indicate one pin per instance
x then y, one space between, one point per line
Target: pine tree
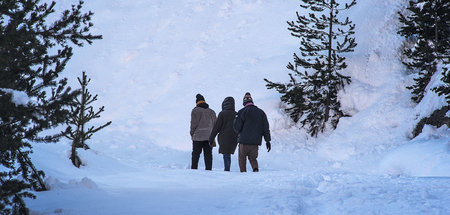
428 22
33 98
444 89
81 114
313 88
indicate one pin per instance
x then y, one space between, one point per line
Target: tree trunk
83 106
76 161
330 40
330 36
436 35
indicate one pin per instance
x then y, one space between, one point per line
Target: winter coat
202 122
251 125
224 127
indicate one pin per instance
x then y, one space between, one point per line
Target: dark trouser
197 147
250 151
227 161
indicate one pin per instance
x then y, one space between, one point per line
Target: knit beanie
247 98
199 97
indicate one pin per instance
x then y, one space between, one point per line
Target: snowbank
428 155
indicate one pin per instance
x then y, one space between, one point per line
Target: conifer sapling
81 113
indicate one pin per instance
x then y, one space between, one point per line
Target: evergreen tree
33 98
428 22
315 77
81 114
444 89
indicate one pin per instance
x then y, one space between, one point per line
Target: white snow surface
155 56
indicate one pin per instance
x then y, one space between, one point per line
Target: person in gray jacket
224 127
202 122
251 125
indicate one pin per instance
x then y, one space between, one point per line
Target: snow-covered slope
157 55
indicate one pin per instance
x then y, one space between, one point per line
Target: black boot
255 170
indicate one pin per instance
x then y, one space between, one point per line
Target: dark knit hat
199 97
247 98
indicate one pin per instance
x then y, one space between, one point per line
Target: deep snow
157 55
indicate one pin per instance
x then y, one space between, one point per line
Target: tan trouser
252 152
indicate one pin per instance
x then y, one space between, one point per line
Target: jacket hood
228 103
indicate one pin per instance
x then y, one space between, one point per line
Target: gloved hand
268 146
211 144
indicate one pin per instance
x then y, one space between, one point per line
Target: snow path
288 183
161 191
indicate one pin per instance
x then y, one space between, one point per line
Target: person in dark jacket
224 127
251 125
202 122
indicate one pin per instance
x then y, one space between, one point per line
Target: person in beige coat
202 122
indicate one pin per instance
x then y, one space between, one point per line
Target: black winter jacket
224 127
251 125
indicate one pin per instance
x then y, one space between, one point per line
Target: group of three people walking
246 127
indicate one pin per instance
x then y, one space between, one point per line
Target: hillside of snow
155 56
